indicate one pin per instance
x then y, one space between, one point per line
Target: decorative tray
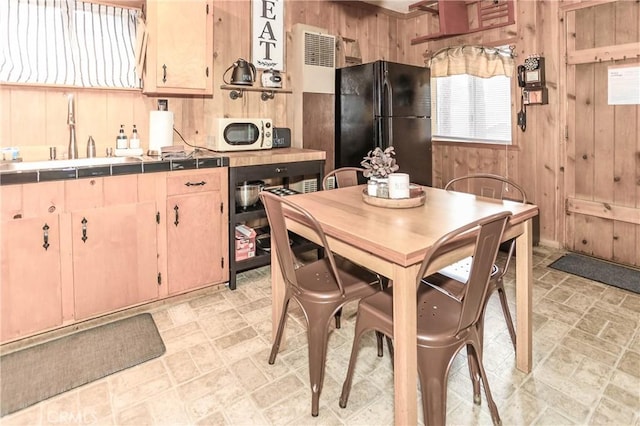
416 198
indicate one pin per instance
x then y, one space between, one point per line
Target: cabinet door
114 257
31 298
180 47
195 249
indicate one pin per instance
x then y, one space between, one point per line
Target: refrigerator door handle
388 103
388 95
379 137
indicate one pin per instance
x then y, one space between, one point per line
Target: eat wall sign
267 44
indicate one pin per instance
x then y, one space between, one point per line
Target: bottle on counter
122 142
91 147
134 140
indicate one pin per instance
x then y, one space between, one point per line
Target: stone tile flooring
215 371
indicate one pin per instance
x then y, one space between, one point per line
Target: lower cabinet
196 222
79 248
115 261
31 298
30 278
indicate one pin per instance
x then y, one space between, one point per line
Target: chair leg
276 343
505 310
346 386
474 373
337 317
433 369
379 339
318 333
476 353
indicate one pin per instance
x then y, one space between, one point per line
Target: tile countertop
270 156
32 172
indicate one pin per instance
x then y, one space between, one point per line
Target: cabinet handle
175 209
281 169
164 73
84 229
45 235
201 183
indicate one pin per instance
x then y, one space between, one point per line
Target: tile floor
215 372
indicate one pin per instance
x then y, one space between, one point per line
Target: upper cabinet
179 56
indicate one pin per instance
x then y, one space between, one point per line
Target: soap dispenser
122 141
134 140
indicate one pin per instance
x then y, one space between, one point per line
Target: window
472 109
67 42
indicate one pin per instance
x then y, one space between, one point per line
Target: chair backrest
488 185
345 176
487 240
491 186
274 206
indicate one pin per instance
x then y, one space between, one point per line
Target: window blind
68 42
473 109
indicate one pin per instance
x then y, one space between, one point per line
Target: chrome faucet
71 121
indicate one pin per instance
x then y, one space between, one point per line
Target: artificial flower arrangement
379 163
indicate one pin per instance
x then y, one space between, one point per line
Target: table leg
405 352
524 293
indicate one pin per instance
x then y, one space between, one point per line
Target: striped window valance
68 42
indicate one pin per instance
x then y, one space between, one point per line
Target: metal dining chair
344 177
321 287
445 324
497 187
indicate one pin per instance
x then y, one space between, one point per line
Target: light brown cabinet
114 258
114 245
80 248
179 56
196 221
31 283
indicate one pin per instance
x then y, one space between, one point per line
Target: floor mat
599 270
39 372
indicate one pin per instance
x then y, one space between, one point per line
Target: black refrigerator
381 104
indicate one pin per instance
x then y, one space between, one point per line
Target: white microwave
243 134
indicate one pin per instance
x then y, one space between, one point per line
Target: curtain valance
478 61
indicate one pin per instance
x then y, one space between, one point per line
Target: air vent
319 50
312 60
305 186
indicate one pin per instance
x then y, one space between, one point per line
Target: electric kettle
244 73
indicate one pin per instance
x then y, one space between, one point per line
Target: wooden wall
35 118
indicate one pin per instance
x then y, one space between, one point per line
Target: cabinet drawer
191 182
265 171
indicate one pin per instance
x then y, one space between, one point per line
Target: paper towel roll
160 131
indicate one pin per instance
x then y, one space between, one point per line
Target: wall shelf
459 17
236 91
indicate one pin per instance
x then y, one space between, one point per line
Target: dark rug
599 270
39 372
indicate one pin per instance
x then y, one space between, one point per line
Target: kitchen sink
63 164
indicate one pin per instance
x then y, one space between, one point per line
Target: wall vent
319 50
312 60
305 186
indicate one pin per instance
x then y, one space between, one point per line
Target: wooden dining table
393 243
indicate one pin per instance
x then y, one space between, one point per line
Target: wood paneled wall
35 118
